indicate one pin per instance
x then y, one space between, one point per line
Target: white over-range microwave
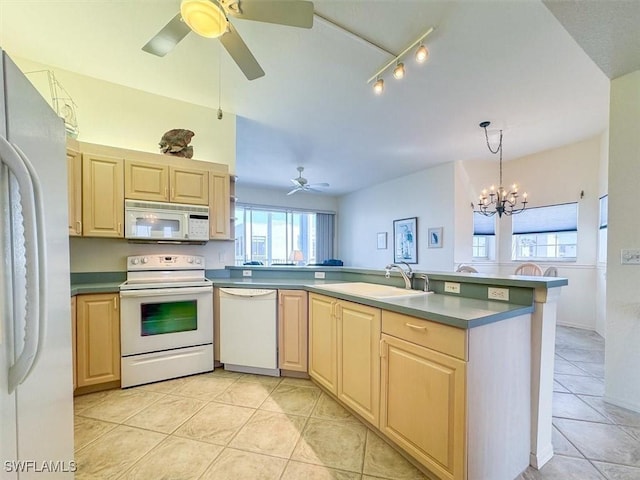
165 222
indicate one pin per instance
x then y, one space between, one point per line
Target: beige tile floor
224 425
592 440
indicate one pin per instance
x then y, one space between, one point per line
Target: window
602 231
546 233
271 235
484 235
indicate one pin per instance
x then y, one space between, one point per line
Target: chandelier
500 201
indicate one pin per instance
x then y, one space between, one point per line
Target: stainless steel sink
373 290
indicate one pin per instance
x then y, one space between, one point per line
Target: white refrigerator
36 389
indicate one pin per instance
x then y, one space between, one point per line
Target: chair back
551 272
466 268
528 269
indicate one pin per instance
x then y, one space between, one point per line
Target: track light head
378 87
398 72
422 54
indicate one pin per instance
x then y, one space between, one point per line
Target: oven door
153 320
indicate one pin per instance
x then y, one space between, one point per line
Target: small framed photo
435 237
382 240
405 240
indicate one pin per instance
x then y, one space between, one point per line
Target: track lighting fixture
398 72
422 54
378 87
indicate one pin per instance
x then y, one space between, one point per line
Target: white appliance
248 330
169 222
166 319
36 385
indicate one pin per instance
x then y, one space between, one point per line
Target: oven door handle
162 292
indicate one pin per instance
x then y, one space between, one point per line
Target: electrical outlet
630 256
246 273
451 287
319 275
498 294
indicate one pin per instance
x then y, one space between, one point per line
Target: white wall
428 195
110 114
622 355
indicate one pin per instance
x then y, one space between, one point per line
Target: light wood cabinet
73 341
292 330
74 186
166 183
423 405
323 353
188 185
219 206
146 181
98 338
358 329
102 196
344 357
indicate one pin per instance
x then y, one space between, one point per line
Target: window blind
483 225
553 218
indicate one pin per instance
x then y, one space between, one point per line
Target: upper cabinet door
102 196
188 185
219 206
146 181
74 185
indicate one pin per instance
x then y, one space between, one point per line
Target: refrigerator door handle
35 260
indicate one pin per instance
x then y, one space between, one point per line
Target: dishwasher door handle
246 292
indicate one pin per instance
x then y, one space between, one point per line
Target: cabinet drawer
442 338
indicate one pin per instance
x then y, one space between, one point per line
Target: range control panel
165 262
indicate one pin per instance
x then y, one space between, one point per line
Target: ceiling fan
210 18
303 185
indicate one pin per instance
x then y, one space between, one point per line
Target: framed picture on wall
435 237
382 240
405 240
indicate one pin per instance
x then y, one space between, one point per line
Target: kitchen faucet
406 276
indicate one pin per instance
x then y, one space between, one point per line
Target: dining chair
528 269
550 272
466 268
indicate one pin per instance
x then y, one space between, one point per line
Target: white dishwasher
248 330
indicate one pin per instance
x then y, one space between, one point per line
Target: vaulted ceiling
509 62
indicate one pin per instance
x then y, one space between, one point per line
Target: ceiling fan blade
323 185
297 189
233 43
168 37
281 12
296 182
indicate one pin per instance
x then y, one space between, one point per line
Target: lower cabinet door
98 338
359 359
292 330
423 405
322 342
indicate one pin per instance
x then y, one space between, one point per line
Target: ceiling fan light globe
205 17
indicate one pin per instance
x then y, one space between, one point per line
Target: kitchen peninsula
460 383
509 363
